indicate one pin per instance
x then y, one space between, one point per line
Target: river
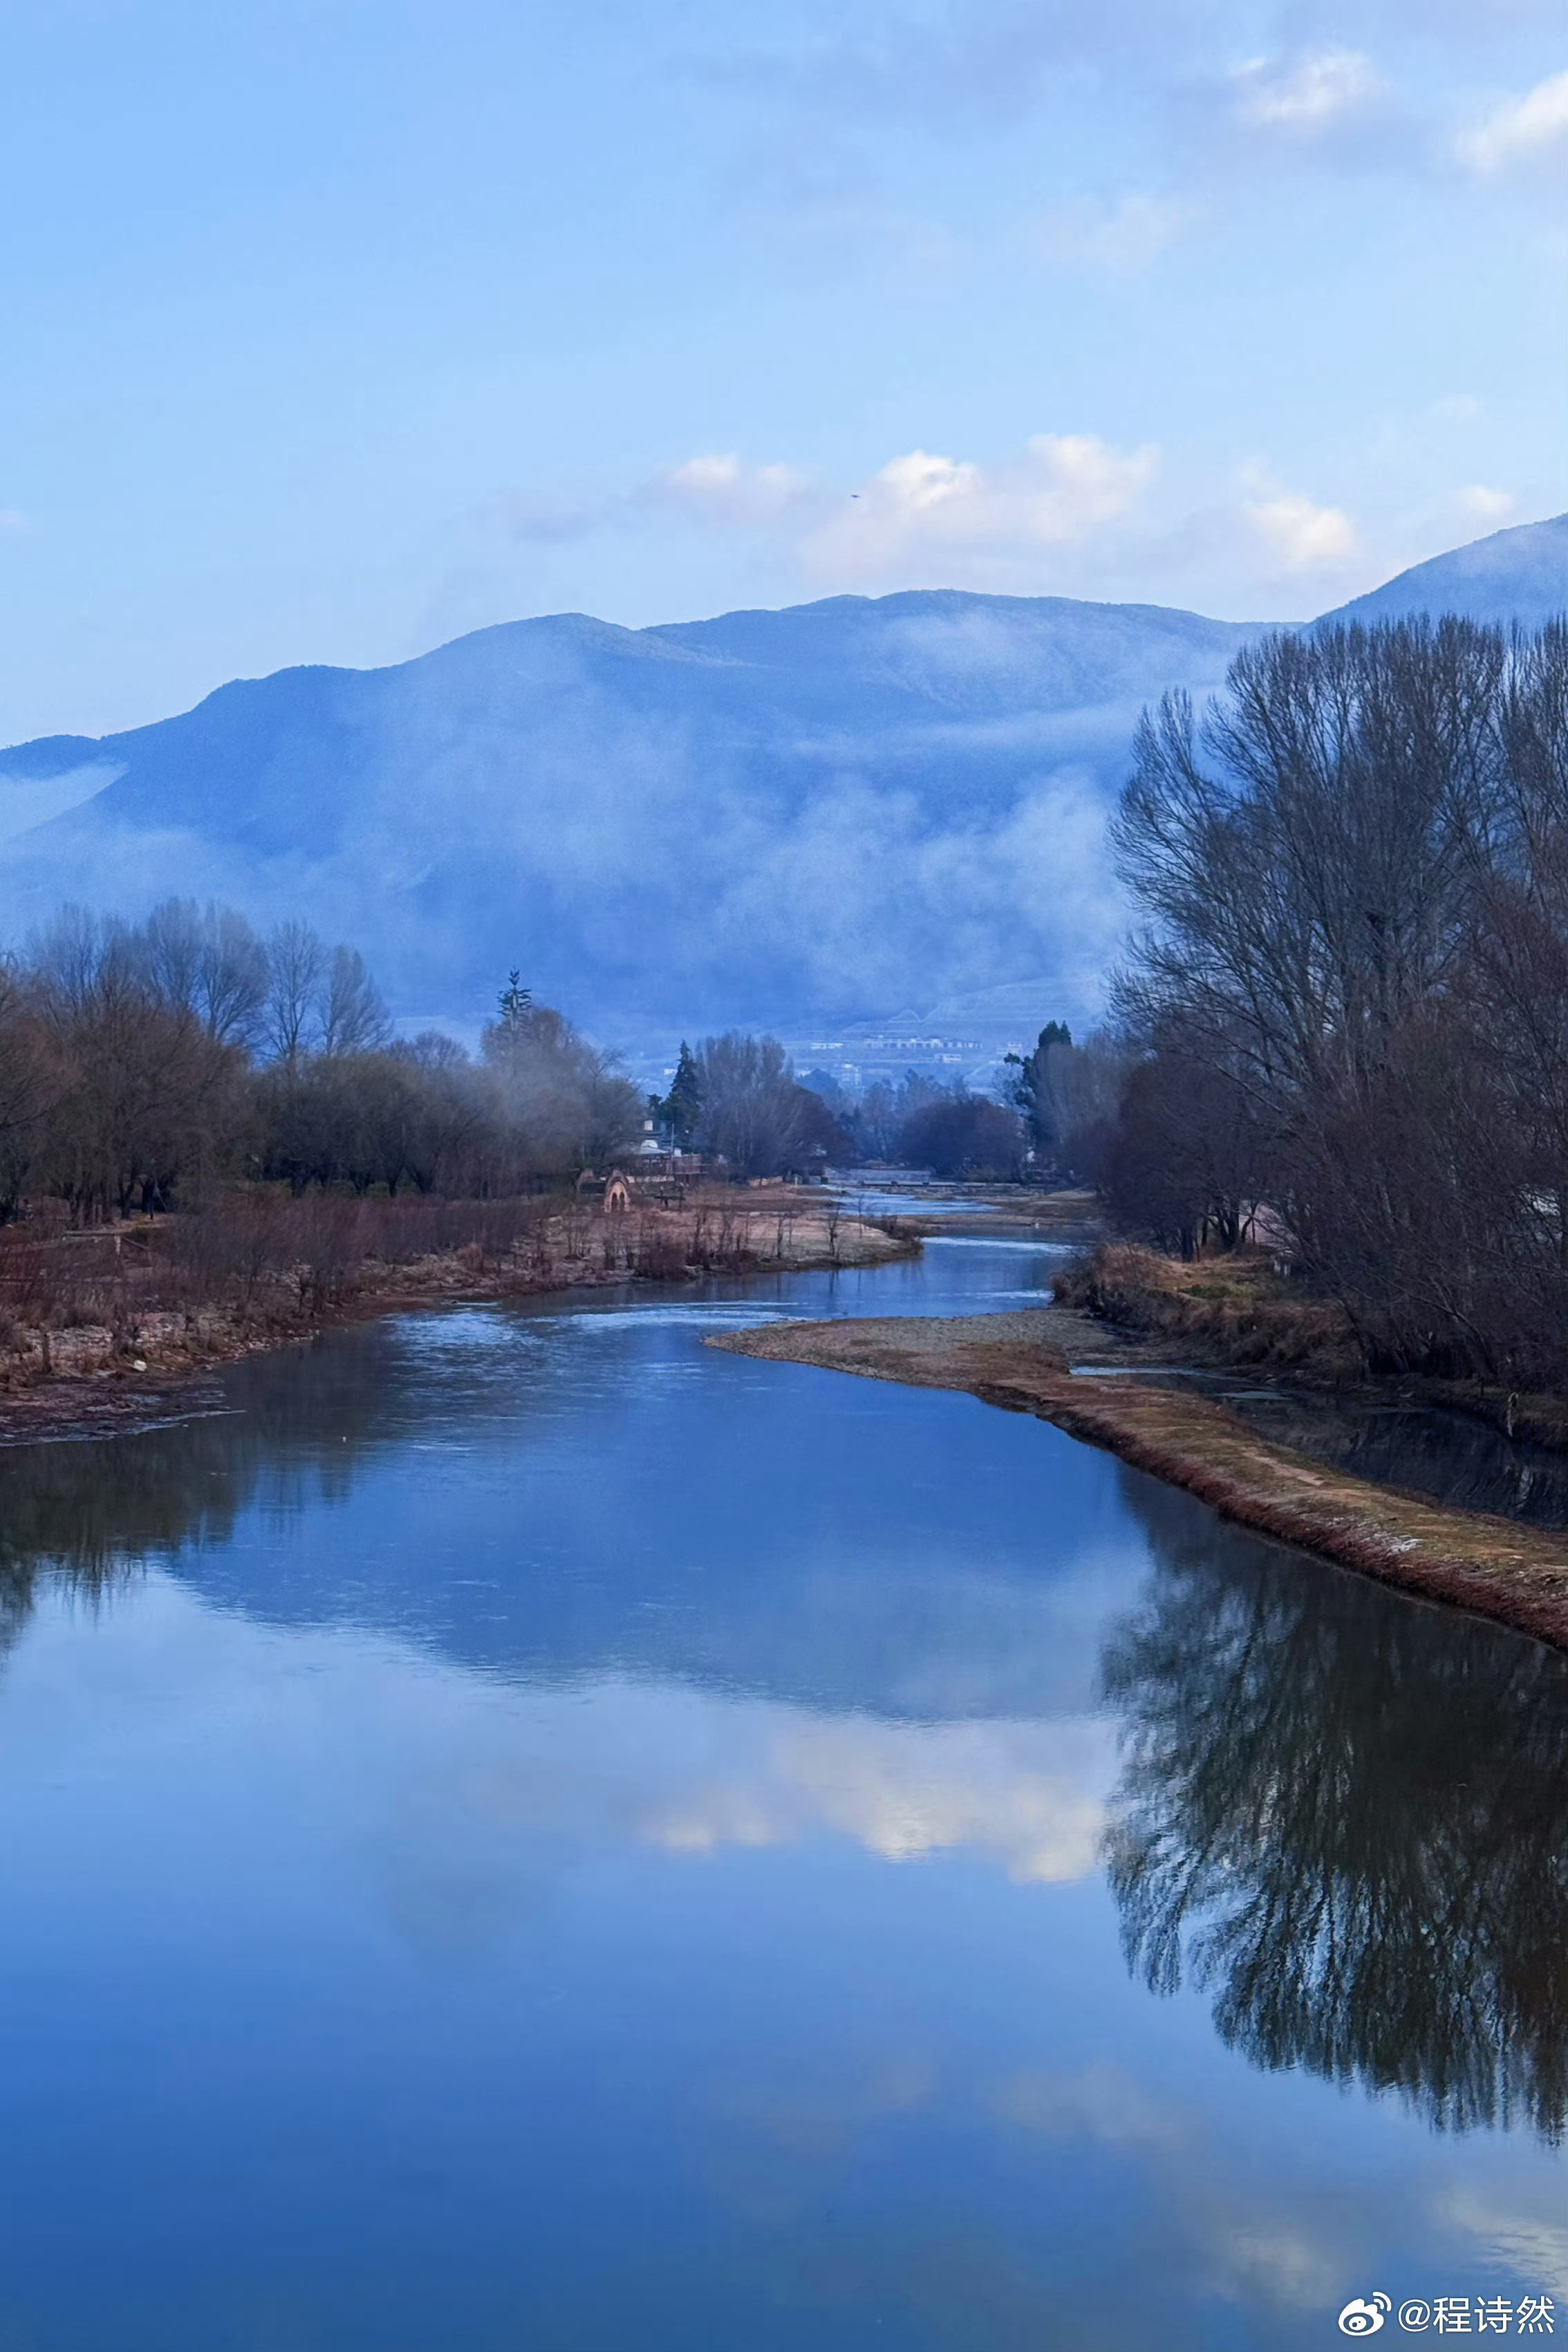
525 1833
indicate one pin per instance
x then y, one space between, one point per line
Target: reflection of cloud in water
1027 1795
1289 2244
1099 2101
1531 2247
1000 1245
455 1802
819 2122
1274 2258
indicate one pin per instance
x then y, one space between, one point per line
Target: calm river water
524 1833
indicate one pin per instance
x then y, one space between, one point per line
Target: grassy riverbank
1237 1311
96 1325
1498 1568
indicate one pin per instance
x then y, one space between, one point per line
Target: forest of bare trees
142 1064
749 1110
1346 1023
739 1099
145 1066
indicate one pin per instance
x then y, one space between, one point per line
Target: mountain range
848 818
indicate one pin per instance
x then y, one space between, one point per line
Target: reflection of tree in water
91 1513
1348 1814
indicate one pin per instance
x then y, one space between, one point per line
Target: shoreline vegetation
1235 1311
100 1326
1341 1029
1492 1567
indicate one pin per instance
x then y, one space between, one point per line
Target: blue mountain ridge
857 813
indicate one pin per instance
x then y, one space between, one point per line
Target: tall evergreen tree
1031 1091
513 1024
682 1105
514 1006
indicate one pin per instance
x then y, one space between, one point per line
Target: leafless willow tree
562 1103
31 1079
1354 976
141 1065
754 1113
209 961
142 1094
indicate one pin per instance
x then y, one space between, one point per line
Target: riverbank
99 1327
1239 1313
1492 1567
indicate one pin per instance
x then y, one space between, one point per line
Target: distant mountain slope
842 810
857 811
1515 576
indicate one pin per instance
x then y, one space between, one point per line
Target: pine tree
514 1025
682 1105
514 1006
1031 1089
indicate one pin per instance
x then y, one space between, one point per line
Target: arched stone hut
612 1193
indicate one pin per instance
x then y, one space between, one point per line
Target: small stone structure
613 1193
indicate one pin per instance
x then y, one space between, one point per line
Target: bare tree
754 1114
296 966
1355 875
210 962
30 1081
145 1096
964 1134
351 1011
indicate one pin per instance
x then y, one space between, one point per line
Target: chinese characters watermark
1452 2315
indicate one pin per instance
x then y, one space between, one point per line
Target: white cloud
925 513
1124 237
724 489
1301 535
1480 504
718 488
1069 514
1304 98
1520 131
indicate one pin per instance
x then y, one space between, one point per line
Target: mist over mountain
855 813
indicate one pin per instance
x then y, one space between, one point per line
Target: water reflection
559 1497
1348 1816
93 1512
1447 1455
304 1417
566 1837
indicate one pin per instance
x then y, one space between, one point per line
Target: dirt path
1493 1567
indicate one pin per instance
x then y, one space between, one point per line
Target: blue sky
336 328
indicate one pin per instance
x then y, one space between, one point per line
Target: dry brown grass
1234 1309
259 1267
